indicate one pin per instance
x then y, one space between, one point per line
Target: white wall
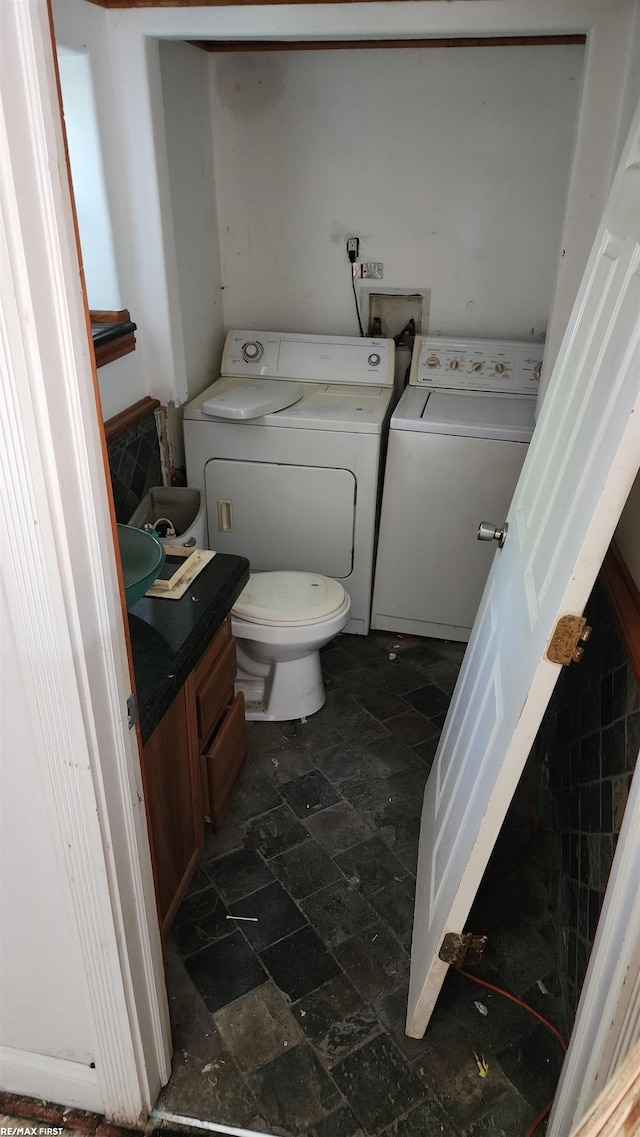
87 91
189 145
90 193
631 91
123 45
43 998
132 187
450 165
122 383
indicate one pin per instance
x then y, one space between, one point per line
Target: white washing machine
287 446
457 442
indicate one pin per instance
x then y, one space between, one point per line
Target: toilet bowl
280 622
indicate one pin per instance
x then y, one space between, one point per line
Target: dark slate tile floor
288 962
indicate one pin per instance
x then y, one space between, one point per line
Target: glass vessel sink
142 557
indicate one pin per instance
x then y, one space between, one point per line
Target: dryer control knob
499 368
374 359
476 365
537 371
252 351
454 365
433 361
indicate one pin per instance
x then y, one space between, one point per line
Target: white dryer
457 442
287 447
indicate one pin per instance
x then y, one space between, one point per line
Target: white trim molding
607 1022
64 592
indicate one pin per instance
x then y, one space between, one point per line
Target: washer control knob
476 365
537 371
499 368
433 361
252 351
487 531
454 365
374 359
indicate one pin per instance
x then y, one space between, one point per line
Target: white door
579 469
299 518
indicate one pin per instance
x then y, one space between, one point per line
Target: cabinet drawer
224 759
216 692
214 650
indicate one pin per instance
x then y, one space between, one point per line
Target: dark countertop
168 637
105 333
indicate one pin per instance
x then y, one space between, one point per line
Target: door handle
487 531
225 517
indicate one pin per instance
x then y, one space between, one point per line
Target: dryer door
282 516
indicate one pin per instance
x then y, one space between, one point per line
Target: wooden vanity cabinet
174 805
220 724
192 763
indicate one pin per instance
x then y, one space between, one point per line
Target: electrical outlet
353 248
371 270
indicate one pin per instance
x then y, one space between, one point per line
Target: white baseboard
51 1079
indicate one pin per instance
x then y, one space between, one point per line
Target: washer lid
468 414
287 599
355 409
252 400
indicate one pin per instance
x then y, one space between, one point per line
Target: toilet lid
287 599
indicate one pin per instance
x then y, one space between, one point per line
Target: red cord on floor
545 1022
514 999
539 1119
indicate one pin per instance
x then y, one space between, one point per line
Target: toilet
280 622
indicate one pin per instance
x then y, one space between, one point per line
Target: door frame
66 598
49 353
607 1023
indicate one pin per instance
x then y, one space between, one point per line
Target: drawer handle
225 517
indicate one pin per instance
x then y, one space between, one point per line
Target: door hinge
462 948
132 710
565 644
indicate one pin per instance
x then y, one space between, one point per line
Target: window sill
112 334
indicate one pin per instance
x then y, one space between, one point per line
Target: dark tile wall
134 462
582 764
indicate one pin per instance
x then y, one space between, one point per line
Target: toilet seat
289 599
